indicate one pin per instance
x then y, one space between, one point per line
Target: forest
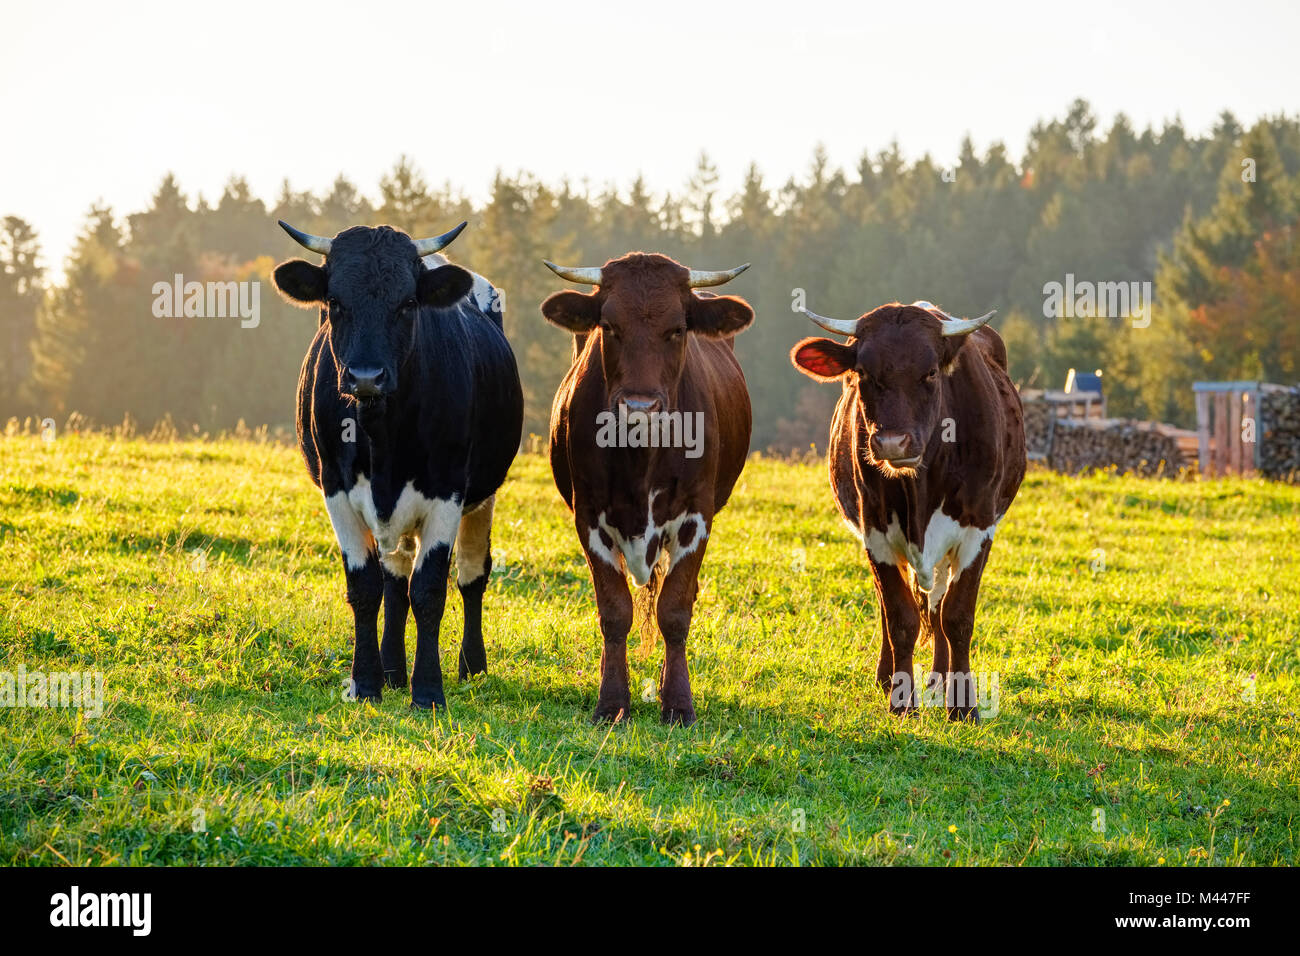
1208 223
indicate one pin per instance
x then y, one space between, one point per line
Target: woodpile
1044 407
1038 416
1150 449
1279 448
1058 433
1071 437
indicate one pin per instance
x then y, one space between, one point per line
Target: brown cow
927 451
649 353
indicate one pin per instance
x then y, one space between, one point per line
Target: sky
99 101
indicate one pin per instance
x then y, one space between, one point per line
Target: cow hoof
396 680
467 669
970 715
909 711
612 713
421 702
682 716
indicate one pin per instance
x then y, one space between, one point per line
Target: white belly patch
948 549
416 526
635 549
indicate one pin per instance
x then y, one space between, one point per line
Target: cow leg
900 620
365 593
885 665
473 569
429 600
397 603
614 609
935 680
957 619
676 605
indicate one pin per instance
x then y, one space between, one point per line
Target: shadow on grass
62 496
214 546
752 763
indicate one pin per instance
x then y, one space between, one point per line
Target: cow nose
365 382
891 446
641 403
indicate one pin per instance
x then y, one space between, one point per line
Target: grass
202 579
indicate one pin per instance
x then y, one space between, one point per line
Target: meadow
1143 632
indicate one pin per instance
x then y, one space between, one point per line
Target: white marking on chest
635 549
947 550
416 526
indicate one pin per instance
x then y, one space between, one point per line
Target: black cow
409 415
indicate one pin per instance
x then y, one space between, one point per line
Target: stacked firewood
1279 447
1142 448
1037 416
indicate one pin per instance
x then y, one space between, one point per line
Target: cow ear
950 347
300 282
823 359
444 286
576 311
719 316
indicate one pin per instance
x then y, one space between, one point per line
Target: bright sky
97 103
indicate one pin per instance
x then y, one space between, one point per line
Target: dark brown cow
927 451
648 352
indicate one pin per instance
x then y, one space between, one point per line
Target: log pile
1075 445
1150 449
1040 407
1279 448
1037 416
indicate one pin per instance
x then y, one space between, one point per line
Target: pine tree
21 292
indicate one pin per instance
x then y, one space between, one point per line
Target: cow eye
410 305
931 375
675 334
335 306
608 329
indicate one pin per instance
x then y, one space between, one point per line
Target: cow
649 350
927 451
410 413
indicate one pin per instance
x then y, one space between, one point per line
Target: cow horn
956 326
307 240
700 279
427 247
589 275
838 326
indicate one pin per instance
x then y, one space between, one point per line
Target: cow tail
645 601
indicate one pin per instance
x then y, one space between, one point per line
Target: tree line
1208 223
